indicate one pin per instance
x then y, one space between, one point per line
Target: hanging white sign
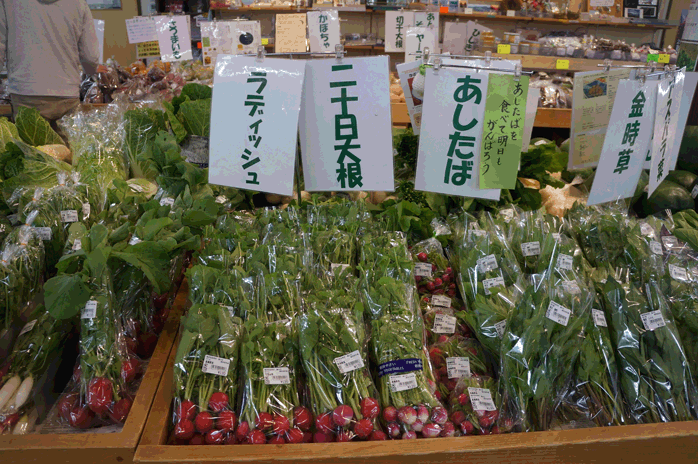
417 39
396 24
323 30
141 29
174 38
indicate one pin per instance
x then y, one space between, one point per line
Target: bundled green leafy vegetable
601 233
532 241
33 129
140 128
27 167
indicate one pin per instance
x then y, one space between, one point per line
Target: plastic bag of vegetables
474 405
332 249
206 377
431 269
453 358
533 241
441 321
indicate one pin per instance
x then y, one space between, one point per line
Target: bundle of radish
205 377
440 319
432 272
473 406
454 358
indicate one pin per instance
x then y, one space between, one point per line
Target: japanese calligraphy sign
502 135
396 24
627 140
417 39
290 33
346 137
254 123
668 103
323 30
141 29
428 19
474 32
174 38
452 123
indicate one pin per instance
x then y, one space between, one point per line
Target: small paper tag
403 382
444 324
277 376
166 201
422 270
349 362
565 262
694 191
86 209
670 241
599 318
562 64
656 247
646 229
493 282
507 214
440 300
571 286
216 365
499 327
77 244
458 367
27 327
343 267
69 215
220 199
540 142
503 49
476 232
558 313
678 273
487 263
530 248
652 320
44 232
481 399
556 236
90 310
134 240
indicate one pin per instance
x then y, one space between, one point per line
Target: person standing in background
43 43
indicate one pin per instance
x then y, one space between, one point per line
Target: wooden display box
102 448
653 443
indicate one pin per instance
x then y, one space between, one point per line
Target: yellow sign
148 49
562 64
265 41
663 58
504 49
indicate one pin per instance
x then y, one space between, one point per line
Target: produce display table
102 448
652 443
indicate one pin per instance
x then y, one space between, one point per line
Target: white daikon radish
26 424
8 390
23 392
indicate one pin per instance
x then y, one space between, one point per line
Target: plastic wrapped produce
431 270
474 406
453 358
332 250
440 319
533 241
600 232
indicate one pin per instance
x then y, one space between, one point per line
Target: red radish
431 430
390 414
446 278
439 415
197 440
242 431
226 421
433 268
393 429
407 415
451 384
10 421
378 435
66 405
256 437
486 421
448 270
363 428
495 430
410 435
218 401
423 413
451 293
231 439
321 437
186 410
307 437
342 415
370 408
99 395
432 385
438 282
323 423
418 279
422 257
277 440
120 410
215 437
437 394
129 369
295 436
431 286
302 418
264 421
458 417
81 417
449 430
463 399
417 426
442 339
203 422
184 429
344 436
281 424
467 427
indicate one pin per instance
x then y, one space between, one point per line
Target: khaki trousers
51 108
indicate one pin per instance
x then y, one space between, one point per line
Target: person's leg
51 108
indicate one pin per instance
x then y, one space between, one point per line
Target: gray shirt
44 42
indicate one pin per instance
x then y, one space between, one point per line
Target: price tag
511 13
422 270
599 318
86 210
220 199
488 263
652 320
562 64
652 57
90 310
265 41
565 262
166 201
444 324
277 376
343 267
215 365
571 286
468 11
530 248
349 362
476 232
500 327
556 236
440 300
77 244
481 399
694 192
656 247
646 229
493 282
458 367
43 232
663 58
69 215
134 240
558 313
28 327
670 241
504 49
403 382
678 273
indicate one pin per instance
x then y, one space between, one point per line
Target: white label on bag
343 267
440 300
444 324
28 327
277 376
499 327
403 382
530 248
220 199
166 201
215 365
678 273
599 318
458 367
507 214
481 399
86 209
645 229
558 313
652 320
349 362
422 270
134 240
44 232
90 310
565 262
476 232
670 241
656 247
571 286
493 282
694 191
556 236
487 263
77 244
69 215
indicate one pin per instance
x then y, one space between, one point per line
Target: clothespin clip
653 67
339 52
607 65
260 53
517 72
437 64
642 76
488 58
425 56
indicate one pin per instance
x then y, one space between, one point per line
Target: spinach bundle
332 249
532 241
601 233
385 255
